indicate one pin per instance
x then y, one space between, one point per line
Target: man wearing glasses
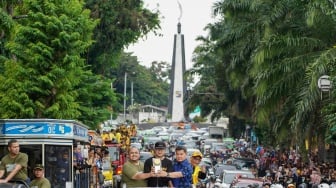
160 164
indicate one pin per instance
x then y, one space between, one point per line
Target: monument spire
178 84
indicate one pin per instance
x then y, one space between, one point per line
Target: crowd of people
289 170
284 169
274 167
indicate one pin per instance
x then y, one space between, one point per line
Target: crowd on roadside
288 169
282 168
274 166
285 168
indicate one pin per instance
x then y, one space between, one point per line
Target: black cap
160 145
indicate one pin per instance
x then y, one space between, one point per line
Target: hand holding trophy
157 165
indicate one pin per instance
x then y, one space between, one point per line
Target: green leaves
266 57
56 57
43 77
121 23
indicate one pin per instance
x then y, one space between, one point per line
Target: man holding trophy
160 164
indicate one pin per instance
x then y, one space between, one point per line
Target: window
58 167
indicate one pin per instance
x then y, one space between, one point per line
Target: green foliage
149 87
265 57
121 23
6 25
42 80
199 119
45 49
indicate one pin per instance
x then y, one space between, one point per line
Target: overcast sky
196 14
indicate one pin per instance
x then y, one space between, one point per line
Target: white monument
178 84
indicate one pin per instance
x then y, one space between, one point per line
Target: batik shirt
186 169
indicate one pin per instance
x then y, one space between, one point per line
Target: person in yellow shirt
198 172
112 135
118 136
105 136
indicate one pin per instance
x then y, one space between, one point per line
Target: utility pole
125 86
111 118
132 99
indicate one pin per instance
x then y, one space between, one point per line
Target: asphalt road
151 125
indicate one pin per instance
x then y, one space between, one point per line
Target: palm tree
268 56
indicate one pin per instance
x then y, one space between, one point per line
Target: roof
154 107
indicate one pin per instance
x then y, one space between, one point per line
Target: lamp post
125 86
132 99
111 106
125 92
324 83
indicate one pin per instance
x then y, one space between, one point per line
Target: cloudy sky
196 14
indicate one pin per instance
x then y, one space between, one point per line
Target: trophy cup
157 165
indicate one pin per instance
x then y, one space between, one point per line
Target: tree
266 57
42 78
44 56
289 64
121 23
223 60
147 87
160 71
6 26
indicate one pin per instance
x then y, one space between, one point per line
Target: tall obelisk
178 84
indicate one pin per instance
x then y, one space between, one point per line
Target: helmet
276 186
303 185
333 185
323 185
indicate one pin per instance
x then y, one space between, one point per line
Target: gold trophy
157 165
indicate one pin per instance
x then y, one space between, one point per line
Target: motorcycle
213 183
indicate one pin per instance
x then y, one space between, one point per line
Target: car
163 135
240 182
159 129
229 142
147 132
137 145
150 141
175 136
188 144
219 168
144 155
207 161
209 141
244 163
136 139
218 147
227 176
193 135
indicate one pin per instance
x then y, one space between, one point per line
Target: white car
227 177
137 145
